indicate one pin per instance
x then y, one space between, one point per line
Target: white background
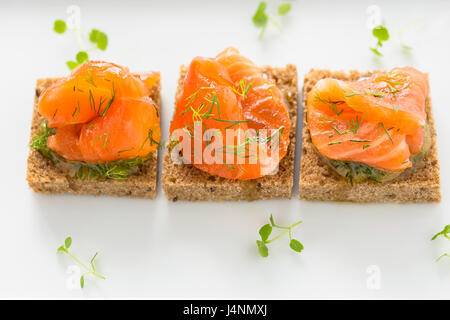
158 249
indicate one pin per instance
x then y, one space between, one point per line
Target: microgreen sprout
98 38
381 33
89 270
261 19
60 26
265 232
444 233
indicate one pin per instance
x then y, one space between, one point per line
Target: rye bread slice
319 182
186 182
45 177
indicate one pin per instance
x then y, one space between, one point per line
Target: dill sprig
381 124
113 97
242 150
233 122
354 124
331 104
115 170
39 142
242 88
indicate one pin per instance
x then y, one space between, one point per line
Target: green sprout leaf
65 248
296 245
60 26
93 35
381 33
72 64
272 222
265 232
260 18
284 8
99 38
446 255
443 233
375 50
68 242
82 57
262 248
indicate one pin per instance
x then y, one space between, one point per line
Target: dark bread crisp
319 182
186 182
44 177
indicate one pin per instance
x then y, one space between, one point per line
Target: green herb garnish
91 270
265 232
115 170
261 19
242 88
284 8
333 143
354 124
331 104
385 130
99 38
444 233
356 140
381 33
39 142
60 26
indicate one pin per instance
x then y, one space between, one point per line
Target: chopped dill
116 170
355 124
242 88
333 143
39 142
387 131
99 137
331 104
337 130
89 79
233 122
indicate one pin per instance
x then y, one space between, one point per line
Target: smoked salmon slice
379 121
231 93
102 113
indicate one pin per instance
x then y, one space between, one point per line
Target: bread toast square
186 182
320 183
45 177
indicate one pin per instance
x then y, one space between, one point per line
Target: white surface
158 249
